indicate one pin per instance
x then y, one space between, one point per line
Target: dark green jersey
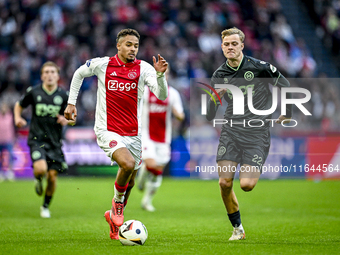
45 108
252 73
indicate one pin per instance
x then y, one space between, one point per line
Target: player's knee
226 184
247 185
128 165
40 170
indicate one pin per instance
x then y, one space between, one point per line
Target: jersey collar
233 68
49 92
121 63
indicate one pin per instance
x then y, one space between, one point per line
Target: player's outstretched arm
70 112
159 88
19 121
161 65
82 72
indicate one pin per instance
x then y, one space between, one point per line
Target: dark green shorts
53 156
242 149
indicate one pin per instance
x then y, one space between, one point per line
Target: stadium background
301 38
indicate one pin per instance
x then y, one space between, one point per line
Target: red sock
121 189
154 171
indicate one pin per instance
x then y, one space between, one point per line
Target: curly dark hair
127 31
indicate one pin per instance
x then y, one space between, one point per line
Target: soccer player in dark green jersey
241 143
48 103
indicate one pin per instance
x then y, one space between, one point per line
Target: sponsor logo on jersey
58 100
42 110
249 75
132 75
113 143
157 108
121 86
113 73
273 68
88 63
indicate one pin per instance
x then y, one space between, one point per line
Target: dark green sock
47 201
235 219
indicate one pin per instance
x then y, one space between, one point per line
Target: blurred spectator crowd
326 14
185 32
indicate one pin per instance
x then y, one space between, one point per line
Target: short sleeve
64 104
214 80
271 71
277 79
27 98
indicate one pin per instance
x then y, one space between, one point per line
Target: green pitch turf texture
280 217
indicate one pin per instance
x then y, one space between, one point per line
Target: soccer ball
133 232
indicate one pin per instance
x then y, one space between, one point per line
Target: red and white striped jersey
120 92
156 115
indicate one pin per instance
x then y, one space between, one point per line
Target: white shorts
160 152
109 142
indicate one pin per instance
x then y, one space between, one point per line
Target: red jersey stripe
121 82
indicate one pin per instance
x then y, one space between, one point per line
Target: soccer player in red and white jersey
156 139
121 81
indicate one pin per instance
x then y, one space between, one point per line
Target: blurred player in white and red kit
156 139
121 81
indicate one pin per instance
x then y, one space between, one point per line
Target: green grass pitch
279 217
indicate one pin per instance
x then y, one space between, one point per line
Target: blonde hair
233 31
50 63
